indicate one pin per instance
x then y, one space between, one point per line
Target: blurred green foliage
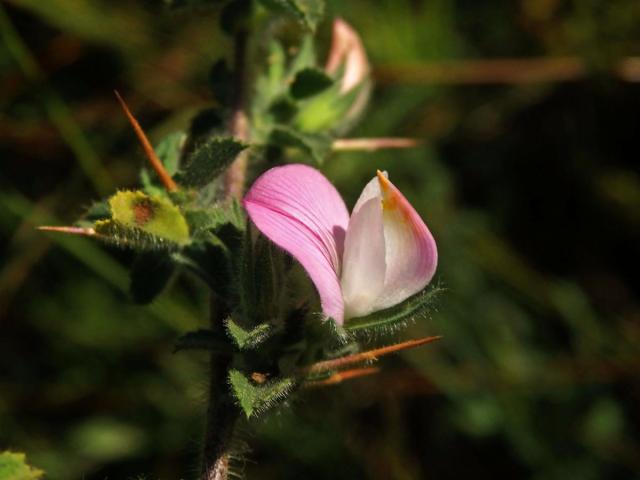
532 191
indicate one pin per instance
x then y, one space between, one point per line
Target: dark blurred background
529 179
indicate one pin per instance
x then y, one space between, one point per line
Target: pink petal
298 209
411 253
347 48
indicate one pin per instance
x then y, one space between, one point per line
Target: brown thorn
371 144
369 355
339 377
86 232
168 182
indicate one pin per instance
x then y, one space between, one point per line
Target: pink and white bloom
378 257
347 49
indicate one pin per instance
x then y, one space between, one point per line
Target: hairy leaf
209 161
121 236
152 214
255 398
316 145
248 339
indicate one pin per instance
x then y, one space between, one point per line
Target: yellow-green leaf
152 214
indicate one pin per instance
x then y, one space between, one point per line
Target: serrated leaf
391 319
150 274
256 398
121 236
248 339
307 12
309 82
316 145
154 215
13 466
202 340
209 161
210 219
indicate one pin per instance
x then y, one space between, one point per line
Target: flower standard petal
363 265
298 209
410 251
347 49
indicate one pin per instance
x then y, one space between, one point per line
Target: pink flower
377 258
347 49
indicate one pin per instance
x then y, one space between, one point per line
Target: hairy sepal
390 320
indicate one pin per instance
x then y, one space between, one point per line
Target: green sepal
202 340
154 215
309 82
208 161
392 319
316 145
308 12
331 109
13 466
121 236
255 398
248 339
150 274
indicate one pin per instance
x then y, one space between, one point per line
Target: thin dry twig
369 355
340 377
372 144
150 153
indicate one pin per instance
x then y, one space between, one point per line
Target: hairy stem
222 413
239 127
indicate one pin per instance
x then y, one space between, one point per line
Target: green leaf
309 82
152 214
316 145
202 340
13 466
256 398
248 339
209 161
391 319
202 220
119 235
307 12
150 274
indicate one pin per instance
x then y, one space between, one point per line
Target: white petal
411 255
363 262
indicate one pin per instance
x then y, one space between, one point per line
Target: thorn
86 232
369 355
372 144
168 182
340 377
